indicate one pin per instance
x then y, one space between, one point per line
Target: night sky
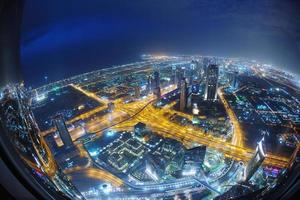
61 38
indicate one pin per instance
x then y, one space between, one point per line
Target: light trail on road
238 133
143 111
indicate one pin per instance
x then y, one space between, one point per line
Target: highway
156 120
97 174
142 110
158 186
238 133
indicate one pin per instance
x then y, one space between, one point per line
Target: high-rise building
192 71
61 127
156 85
191 79
149 84
189 101
234 81
183 71
50 140
157 93
137 92
156 79
255 161
232 78
179 75
194 64
205 62
183 95
174 77
212 74
20 130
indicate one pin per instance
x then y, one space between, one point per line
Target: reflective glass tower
212 74
183 94
61 127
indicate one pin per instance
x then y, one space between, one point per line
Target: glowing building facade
212 74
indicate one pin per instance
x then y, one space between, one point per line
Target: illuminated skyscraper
192 71
149 84
255 161
179 75
233 79
62 130
212 74
194 64
183 94
184 71
174 78
205 62
156 85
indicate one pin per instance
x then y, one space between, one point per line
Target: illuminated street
168 123
149 100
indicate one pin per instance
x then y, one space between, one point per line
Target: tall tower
156 85
183 94
189 100
192 70
205 62
137 92
255 161
149 84
62 130
212 74
234 81
179 75
157 93
156 79
174 78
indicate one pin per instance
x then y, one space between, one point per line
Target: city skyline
193 99
177 120
166 126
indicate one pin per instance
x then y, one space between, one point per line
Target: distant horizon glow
60 40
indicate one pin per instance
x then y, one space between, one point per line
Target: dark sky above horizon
63 38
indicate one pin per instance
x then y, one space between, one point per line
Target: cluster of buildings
142 155
21 129
146 157
65 100
124 153
190 77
